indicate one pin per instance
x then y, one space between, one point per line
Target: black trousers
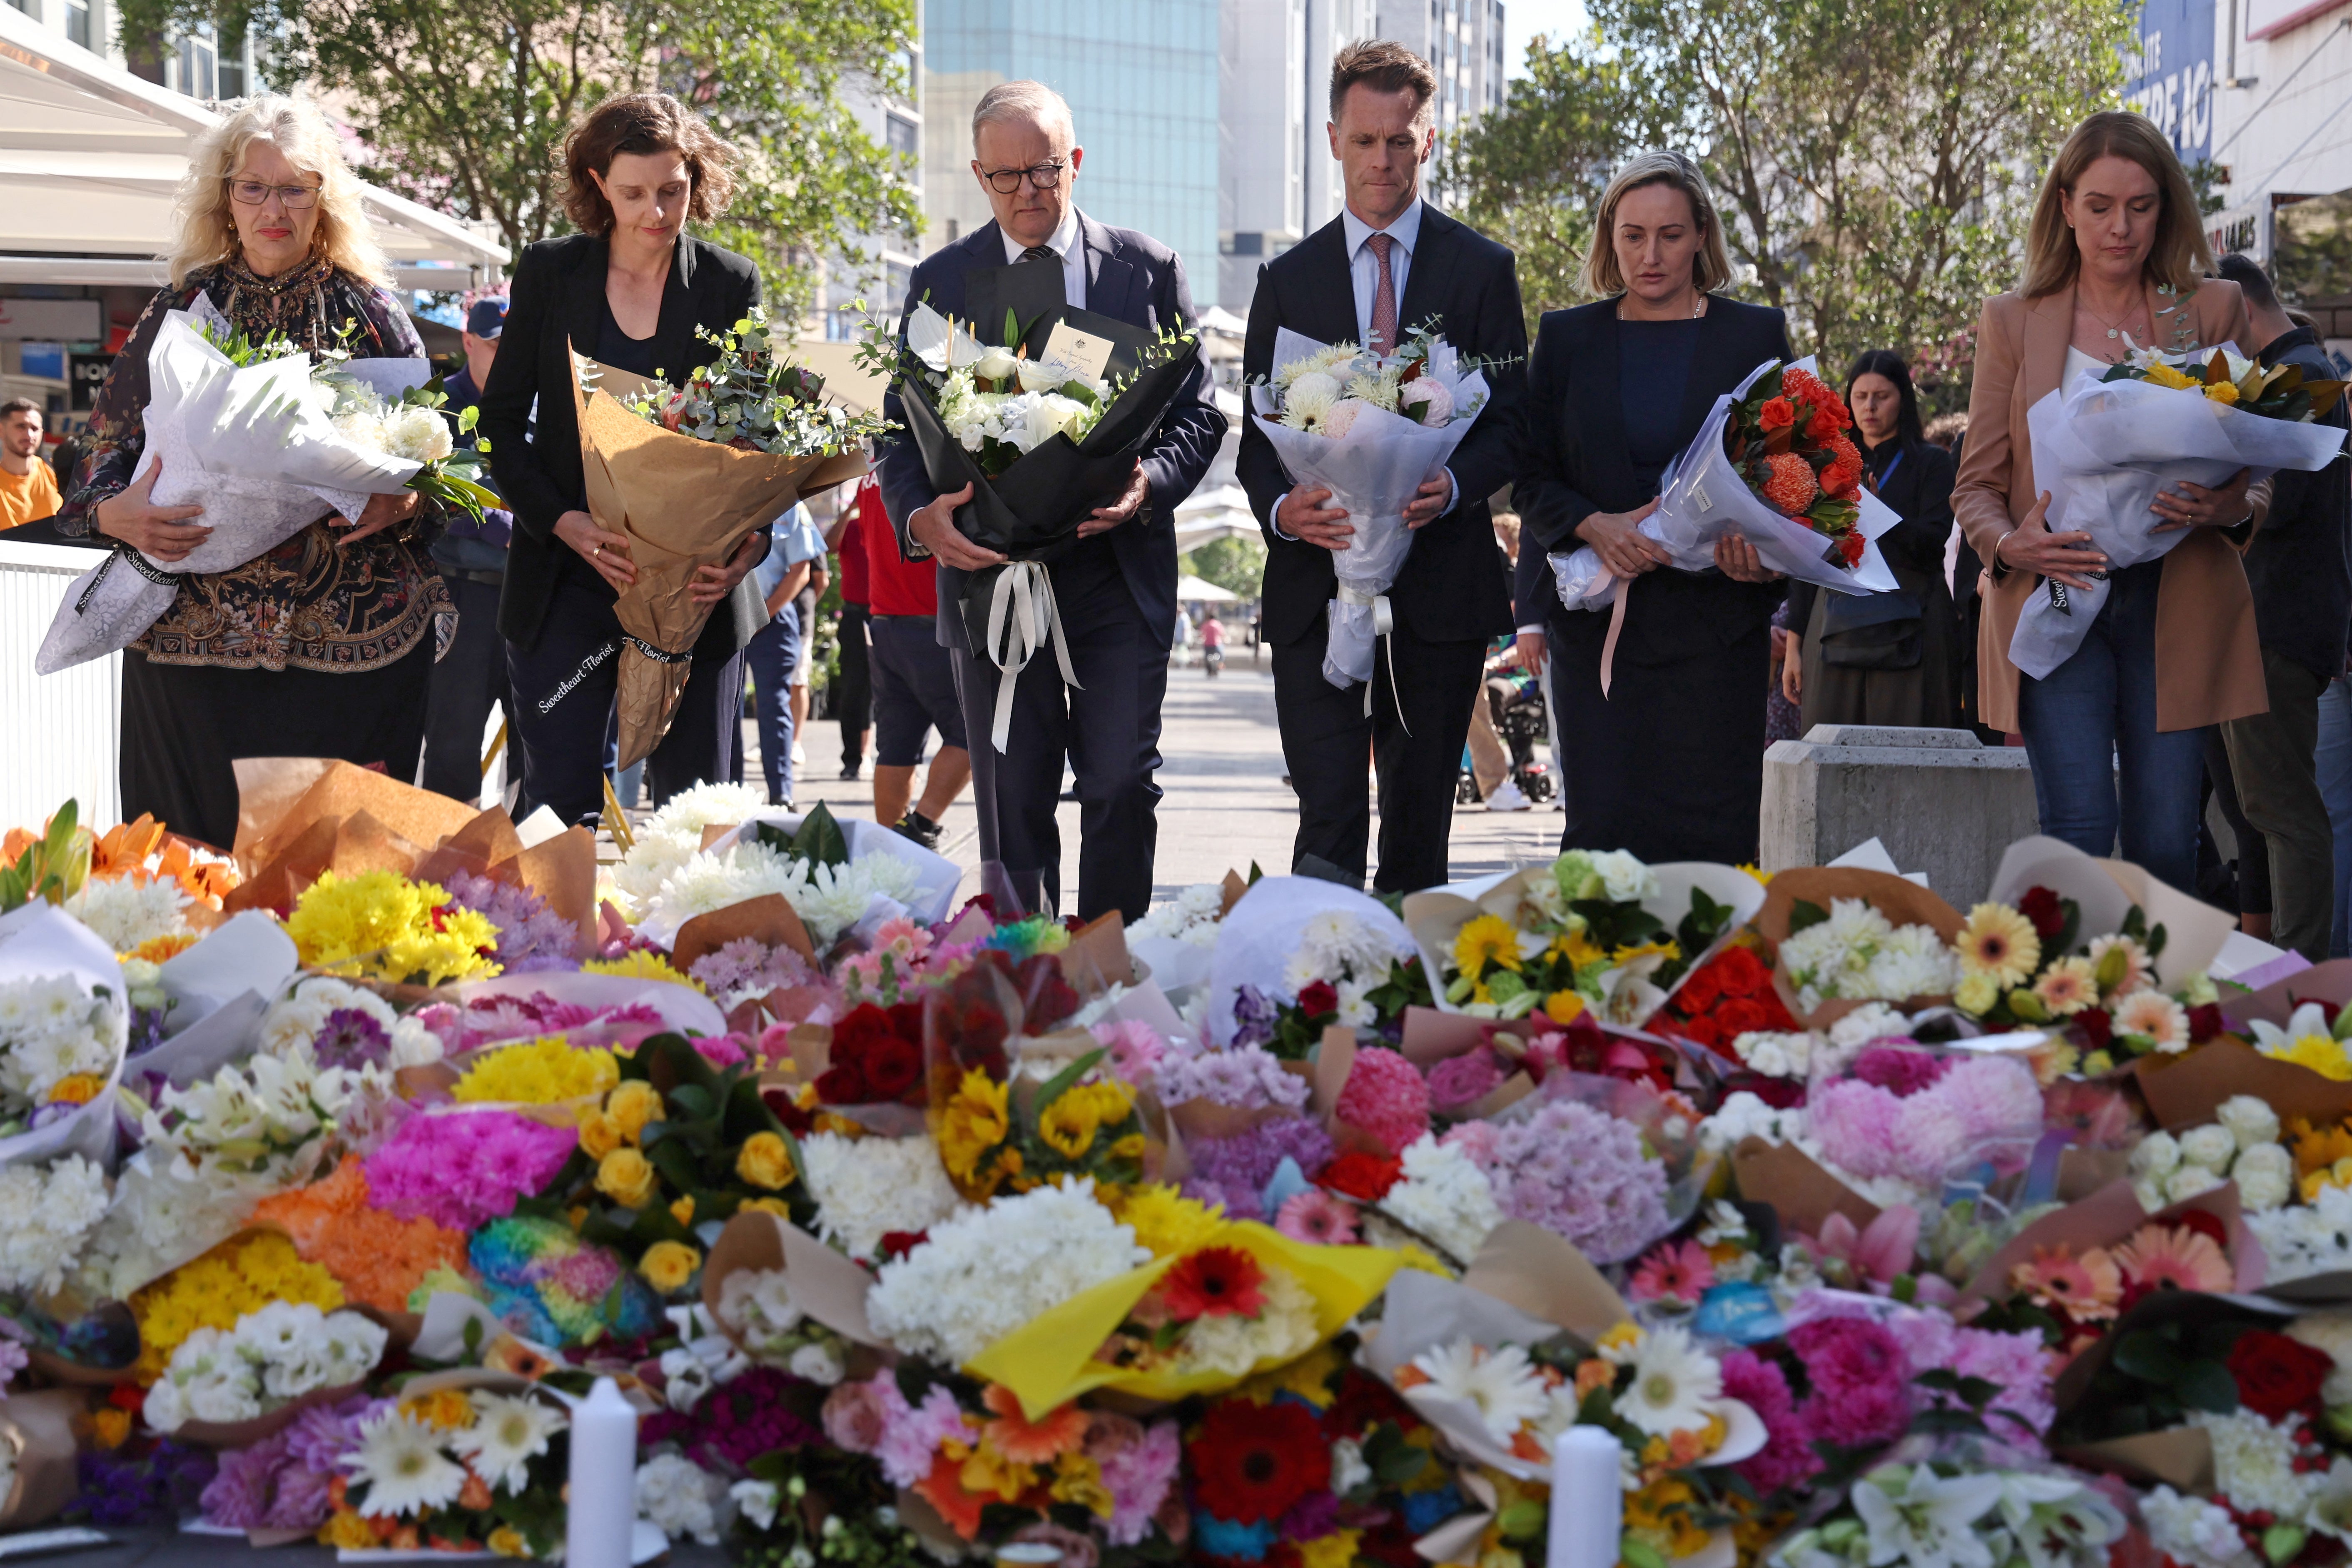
1107 727
183 727
1670 764
467 680
1326 735
853 688
564 699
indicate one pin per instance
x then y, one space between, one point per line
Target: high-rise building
1462 39
1278 182
874 269
1141 78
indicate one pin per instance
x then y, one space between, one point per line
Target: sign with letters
2170 78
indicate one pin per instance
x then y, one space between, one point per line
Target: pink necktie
1384 321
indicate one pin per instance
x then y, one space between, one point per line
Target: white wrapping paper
1701 498
1258 935
936 877
2103 450
255 447
1373 473
39 941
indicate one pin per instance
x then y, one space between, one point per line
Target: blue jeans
2335 769
773 656
2096 712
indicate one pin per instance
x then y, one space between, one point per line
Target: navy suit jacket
1131 277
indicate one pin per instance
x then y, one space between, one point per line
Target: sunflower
1487 940
1999 941
1068 1125
975 1120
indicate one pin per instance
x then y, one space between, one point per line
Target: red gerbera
1252 1463
1214 1282
1364 1177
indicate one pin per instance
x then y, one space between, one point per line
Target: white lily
1930 1523
2058 1522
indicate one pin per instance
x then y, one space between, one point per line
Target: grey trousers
2270 756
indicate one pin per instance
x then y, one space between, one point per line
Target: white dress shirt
1064 243
1364 272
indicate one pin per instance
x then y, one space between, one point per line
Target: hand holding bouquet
1370 429
2105 445
685 473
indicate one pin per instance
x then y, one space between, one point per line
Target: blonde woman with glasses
2116 257
323 647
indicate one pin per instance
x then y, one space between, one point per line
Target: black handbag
1872 631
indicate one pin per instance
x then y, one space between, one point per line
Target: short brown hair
1385 67
643 123
22 406
2178 259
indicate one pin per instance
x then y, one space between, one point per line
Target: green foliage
1874 179
819 840
2155 1375
53 867
1237 564
465 106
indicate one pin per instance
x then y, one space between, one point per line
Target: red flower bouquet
1788 439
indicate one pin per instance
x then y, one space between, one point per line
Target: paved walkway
1225 804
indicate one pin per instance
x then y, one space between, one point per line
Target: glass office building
1142 79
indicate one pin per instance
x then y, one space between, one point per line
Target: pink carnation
1138 1478
1459 1080
2016 1362
1386 1097
1841 1354
1787 1456
1860 1417
1997 1095
1854 1123
465 1170
1474 1139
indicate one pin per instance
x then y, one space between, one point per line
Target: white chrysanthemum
828 898
2266 1176
1675 1383
2210 1146
1501 1385
508 1433
1744 1115
758 1305
866 1188
126 912
1234 1346
682 1498
2301 1240
1191 916
1445 1195
363 429
51 1029
2251 1120
985 1271
671 835
1775 1054
1864 1025
45 1218
2254 1463
418 434
2192 1532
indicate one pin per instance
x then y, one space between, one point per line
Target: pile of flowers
1851 951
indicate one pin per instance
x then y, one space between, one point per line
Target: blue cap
487 319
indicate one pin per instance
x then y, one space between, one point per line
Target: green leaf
2207 1385
694 1100
1803 914
1639 1553
820 841
2149 1355
1060 1083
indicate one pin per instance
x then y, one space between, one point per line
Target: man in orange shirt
28 491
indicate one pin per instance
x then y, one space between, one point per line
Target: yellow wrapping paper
1049 1361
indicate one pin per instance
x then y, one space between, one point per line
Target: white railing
58 733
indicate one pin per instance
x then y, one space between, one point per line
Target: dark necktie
1044 253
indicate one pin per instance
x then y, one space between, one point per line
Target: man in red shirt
853 691
914 680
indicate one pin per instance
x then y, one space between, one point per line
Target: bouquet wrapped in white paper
260 448
2104 447
1371 430
1766 465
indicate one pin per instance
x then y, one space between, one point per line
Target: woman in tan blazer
2115 259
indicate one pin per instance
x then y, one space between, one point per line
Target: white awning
90 157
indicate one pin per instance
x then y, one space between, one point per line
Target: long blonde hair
1710 269
205 233
2178 258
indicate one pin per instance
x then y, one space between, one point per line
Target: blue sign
2171 78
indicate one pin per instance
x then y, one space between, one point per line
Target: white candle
1588 1499
603 1490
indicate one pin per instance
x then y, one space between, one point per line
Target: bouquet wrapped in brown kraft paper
684 473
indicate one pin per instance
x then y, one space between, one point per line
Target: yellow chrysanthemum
975 1122
162 949
2320 1053
2222 391
1578 948
2000 942
544 1071
1166 1221
381 925
1484 941
348 1531
1564 1006
2164 375
76 1089
1078 1481
1337 1550
640 964
214 1291
444 1410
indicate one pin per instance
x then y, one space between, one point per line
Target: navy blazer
557 303
1131 277
1452 588
1576 464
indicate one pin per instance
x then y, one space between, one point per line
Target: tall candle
1588 1499
603 1490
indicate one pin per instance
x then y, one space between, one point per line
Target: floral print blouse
310 603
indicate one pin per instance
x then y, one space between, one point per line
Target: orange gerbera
943 1490
2161 1255
1027 1442
2083 1288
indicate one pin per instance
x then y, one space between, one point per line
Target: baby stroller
1514 703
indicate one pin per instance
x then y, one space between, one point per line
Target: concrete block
1941 801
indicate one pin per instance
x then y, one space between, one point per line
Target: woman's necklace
1697 311
2115 328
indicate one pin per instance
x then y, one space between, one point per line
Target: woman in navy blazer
1669 761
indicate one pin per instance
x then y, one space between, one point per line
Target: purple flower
156 1489
531 936
1254 1016
351 1039
1244 1077
241 1494
749 965
1245 1162
322 1435
1581 1174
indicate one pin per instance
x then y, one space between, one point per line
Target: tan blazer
2209 664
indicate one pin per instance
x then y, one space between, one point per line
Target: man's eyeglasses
253 192
1040 176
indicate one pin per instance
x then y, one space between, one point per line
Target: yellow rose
599 1136
632 1105
682 1211
626 1177
765 1161
1977 995
668 1265
766 1206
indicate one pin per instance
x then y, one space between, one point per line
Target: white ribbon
1383 623
1022 619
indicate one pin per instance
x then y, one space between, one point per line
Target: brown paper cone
1544 1276
1798 1188
2105 1219
823 1283
1901 902
1097 957
40 1426
339 791
485 847
2186 1090
683 504
769 920
2181 1457
1235 884
282 878
364 843
562 870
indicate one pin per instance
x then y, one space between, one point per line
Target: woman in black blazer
1886 659
629 291
1669 763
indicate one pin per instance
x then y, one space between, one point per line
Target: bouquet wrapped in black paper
1044 410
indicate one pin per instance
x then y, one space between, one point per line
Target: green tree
1237 564
1874 179
464 105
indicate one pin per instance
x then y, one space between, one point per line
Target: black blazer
1576 464
1919 491
1452 588
1131 277
558 301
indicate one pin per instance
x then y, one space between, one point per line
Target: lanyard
1878 485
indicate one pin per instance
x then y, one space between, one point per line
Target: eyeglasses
253 192
1040 176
